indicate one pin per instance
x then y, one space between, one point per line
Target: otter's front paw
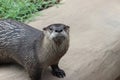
59 73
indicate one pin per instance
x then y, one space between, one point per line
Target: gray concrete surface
94 52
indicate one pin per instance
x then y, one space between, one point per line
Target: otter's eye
51 29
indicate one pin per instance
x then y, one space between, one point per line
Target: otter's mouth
59 40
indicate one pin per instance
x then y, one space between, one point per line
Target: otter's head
57 33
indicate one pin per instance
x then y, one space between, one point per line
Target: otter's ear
67 27
44 28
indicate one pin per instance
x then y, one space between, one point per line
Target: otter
33 49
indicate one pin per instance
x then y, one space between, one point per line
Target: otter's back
15 34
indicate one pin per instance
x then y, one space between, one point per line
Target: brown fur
51 53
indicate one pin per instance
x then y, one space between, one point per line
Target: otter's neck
51 52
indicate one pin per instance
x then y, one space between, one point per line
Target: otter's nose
59 30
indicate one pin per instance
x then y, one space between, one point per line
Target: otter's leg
32 66
56 71
35 72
